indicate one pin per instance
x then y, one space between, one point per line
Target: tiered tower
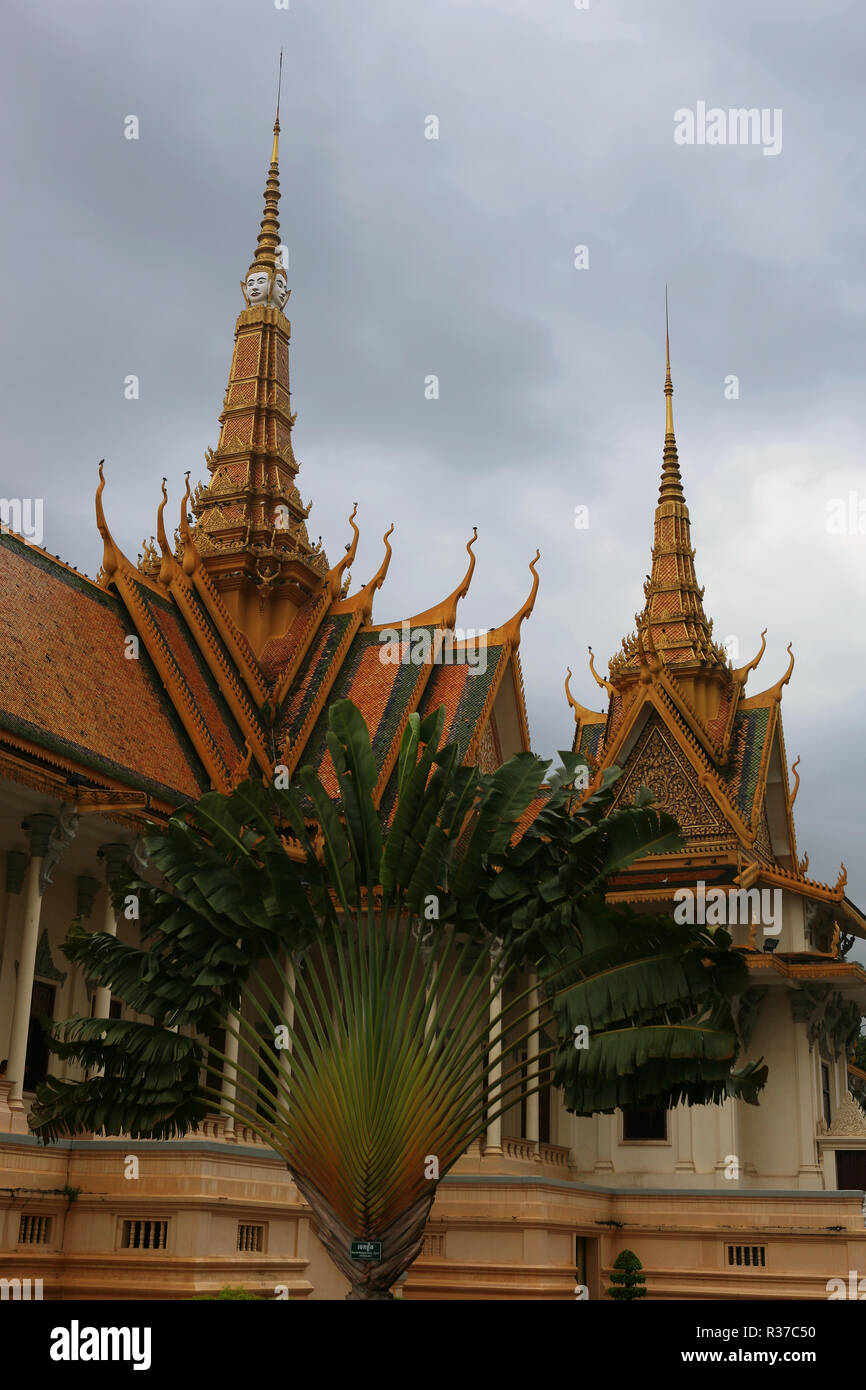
251 532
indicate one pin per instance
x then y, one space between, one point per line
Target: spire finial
669 386
258 285
275 153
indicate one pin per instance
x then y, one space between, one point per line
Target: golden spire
265 257
275 152
672 486
673 630
669 386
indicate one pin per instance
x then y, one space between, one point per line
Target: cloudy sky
456 257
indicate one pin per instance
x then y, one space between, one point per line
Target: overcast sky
455 257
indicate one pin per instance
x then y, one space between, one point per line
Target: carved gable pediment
657 762
849 1122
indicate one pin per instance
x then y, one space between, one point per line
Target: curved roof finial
511 629
110 554
796 775
742 672
605 685
166 569
335 576
190 554
580 711
775 691
444 614
379 577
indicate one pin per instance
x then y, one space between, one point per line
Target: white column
115 856
532 1063
729 1143
102 1006
494 1129
39 828
229 1085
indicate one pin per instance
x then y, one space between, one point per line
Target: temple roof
245 635
69 697
679 721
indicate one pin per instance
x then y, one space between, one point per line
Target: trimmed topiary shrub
625 1280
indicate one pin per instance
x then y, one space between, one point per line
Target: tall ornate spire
672 630
251 532
672 483
265 258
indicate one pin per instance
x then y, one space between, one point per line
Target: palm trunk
402 1241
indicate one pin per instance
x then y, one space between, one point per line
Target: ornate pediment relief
849 1122
657 762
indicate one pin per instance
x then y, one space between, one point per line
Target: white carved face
281 289
258 286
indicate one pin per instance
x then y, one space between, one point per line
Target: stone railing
556 1155
526 1150
215 1127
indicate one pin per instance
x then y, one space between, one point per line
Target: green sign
370 1250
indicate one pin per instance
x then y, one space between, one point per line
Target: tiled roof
66 684
591 736
463 690
750 733
279 650
314 669
193 671
382 692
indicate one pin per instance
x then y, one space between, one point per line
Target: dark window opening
825 1093
645 1125
36 1057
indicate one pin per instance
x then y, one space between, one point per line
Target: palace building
216 656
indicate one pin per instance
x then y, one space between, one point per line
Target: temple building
215 656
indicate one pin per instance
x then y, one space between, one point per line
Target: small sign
370 1250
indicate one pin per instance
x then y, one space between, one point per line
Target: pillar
229 1084
532 1064
493 1142
115 856
729 1143
40 829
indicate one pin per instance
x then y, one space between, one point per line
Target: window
825 1093
250 1238
851 1170
144 1235
36 1057
747 1256
34 1230
644 1126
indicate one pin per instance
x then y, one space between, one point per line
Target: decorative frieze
831 1021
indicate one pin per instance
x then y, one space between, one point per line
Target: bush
227 1291
626 1282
